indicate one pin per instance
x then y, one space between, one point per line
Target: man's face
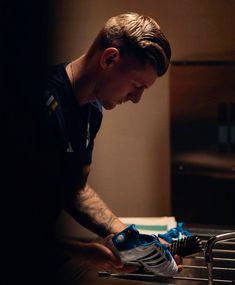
123 82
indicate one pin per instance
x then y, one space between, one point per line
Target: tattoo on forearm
91 211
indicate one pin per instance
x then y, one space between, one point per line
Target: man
127 56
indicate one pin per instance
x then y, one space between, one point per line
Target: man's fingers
125 269
179 262
180 268
107 239
162 241
178 259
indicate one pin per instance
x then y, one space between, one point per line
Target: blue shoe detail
130 238
127 239
175 233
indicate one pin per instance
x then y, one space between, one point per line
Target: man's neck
80 78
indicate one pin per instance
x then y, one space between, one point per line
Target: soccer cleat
182 242
155 257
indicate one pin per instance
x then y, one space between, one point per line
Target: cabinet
202 110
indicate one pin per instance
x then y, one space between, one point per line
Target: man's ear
109 57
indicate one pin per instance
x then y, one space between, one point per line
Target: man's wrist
117 226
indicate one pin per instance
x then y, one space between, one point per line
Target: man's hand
177 258
99 257
96 256
179 262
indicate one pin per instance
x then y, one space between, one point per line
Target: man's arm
89 210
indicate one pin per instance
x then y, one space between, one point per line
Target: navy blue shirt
73 128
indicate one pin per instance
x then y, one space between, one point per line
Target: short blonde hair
136 35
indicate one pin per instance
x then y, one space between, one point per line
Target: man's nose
136 96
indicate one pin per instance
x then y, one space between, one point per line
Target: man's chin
108 106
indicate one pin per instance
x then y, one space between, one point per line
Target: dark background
25 49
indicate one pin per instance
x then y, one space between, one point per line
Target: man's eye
139 87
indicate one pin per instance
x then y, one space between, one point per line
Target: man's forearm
91 211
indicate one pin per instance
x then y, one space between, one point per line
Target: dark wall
25 49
